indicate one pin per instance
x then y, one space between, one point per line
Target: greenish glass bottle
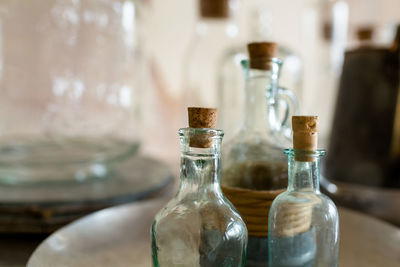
303 224
199 226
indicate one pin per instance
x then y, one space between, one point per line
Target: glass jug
253 158
68 88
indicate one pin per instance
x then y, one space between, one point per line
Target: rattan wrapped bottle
255 170
303 227
199 227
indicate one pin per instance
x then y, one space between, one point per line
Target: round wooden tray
44 208
120 237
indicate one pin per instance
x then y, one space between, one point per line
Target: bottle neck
200 175
200 169
217 28
260 105
304 175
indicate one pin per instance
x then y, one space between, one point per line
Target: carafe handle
291 107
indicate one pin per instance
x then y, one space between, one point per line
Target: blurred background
316 34
92 94
357 102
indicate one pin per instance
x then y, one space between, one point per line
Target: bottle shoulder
303 199
218 211
303 196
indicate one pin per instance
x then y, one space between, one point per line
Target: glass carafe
216 30
253 161
199 227
303 228
68 88
253 158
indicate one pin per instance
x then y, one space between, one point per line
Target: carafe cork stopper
305 135
260 54
202 118
214 8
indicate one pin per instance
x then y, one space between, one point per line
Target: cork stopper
305 134
214 8
364 34
202 118
260 54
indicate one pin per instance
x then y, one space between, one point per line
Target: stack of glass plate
43 208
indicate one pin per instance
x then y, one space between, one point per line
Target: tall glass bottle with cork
216 31
199 227
255 170
303 228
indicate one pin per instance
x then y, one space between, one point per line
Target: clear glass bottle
216 31
303 224
199 227
253 159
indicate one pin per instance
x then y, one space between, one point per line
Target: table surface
120 237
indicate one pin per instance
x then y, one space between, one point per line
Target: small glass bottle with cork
199 227
303 228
